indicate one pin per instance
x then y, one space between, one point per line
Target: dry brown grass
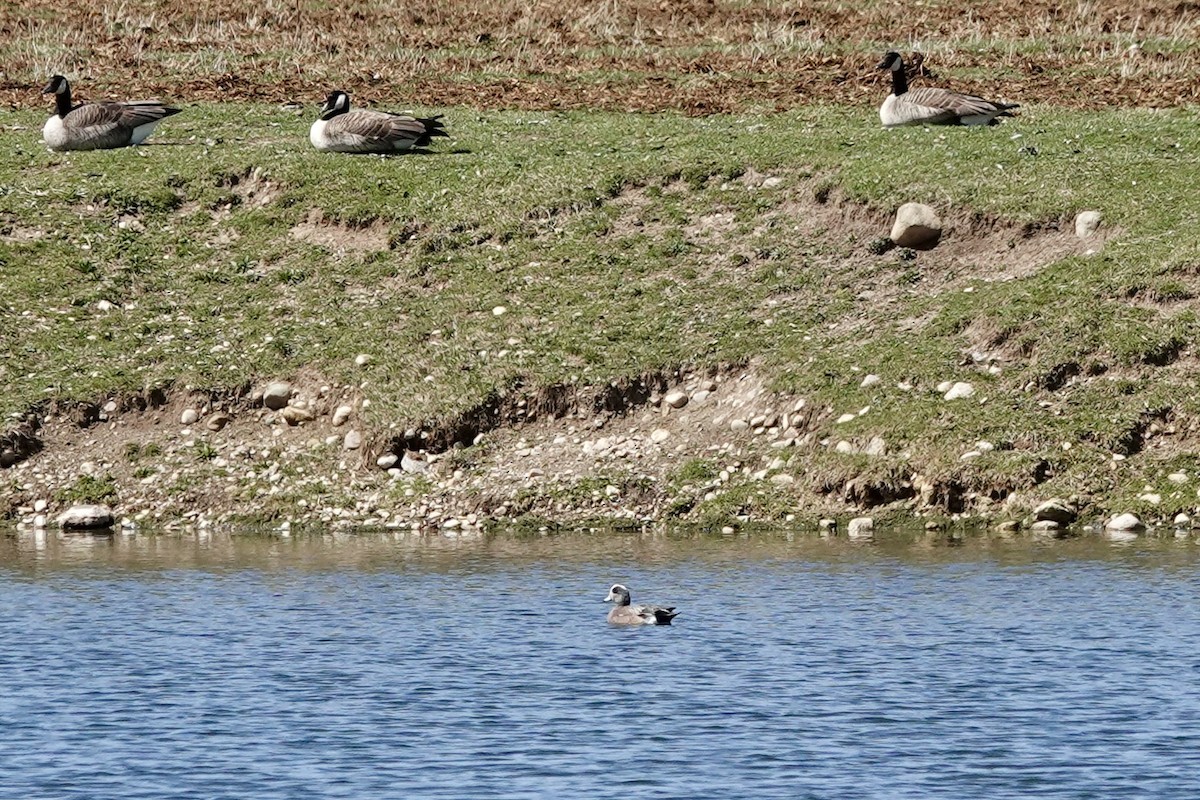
698 56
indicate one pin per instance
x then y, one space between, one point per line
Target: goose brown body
341 130
102 125
934 106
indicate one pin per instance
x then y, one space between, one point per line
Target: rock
387 460
341 415
917 225
870 381
277 394
876 447
1046 526
294 415
1087 223
1008 526
844 418
412 464
352 440
1153 498
362 359
959 390
739 425
1055 510
845 447
676 398
1178 477
217 421
188 417
40 505
660 435
499 311
828 525
783 479
1182 520
861 528
969 455
984 446
86 517
772 182
1125 522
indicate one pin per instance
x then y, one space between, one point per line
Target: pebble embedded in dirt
676 398
869 381
341 415
217 421
660 435
295 415
352 440
188 417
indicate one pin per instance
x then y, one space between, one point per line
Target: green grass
584 226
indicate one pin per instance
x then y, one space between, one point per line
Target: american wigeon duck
625 614
932 106
99 126
341 130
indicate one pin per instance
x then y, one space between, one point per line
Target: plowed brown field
697 56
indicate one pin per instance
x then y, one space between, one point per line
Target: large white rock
277 394
861 528
1087 223
959 390
86 517
1056 510
1125 522
916 225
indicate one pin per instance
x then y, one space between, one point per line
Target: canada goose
344 131
929 106
99 126
625 614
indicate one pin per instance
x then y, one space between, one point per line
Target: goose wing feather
932 105
111 124
374 131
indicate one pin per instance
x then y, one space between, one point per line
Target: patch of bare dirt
255 188
339 237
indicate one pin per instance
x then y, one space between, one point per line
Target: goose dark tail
433 127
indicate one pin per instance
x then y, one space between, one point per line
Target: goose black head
892 61
619 594
57 85
338 102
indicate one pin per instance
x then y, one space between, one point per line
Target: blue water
408 667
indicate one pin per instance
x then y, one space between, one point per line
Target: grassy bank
230 252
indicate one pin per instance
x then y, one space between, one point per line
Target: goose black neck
62 103
899 81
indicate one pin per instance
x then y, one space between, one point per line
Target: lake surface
363 666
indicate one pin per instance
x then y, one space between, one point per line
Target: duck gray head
338 102
619 594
